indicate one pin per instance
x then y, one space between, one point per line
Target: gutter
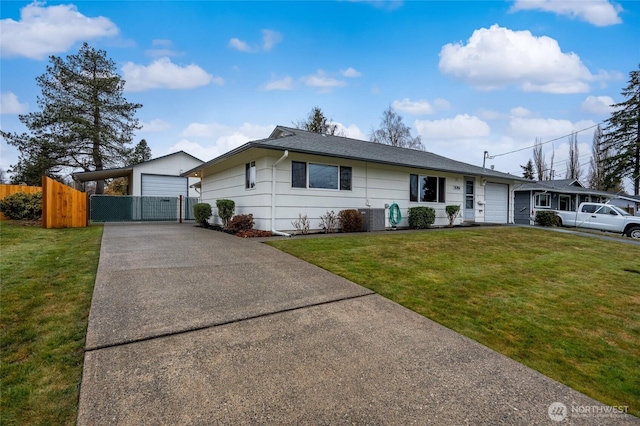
273 196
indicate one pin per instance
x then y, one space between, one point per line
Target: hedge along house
294 172
563 195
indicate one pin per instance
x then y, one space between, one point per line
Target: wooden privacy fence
62 206
12 189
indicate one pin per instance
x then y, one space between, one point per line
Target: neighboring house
630 203
316 173
157 177
564 195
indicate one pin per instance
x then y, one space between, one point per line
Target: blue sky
467 76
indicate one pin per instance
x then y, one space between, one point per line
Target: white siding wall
171 165
373 185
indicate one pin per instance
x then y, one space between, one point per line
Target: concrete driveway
196 327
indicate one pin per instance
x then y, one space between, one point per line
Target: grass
567 306
47 283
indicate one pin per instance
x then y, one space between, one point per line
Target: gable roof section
301 141
121 171
569 186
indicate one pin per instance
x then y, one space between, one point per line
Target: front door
469 199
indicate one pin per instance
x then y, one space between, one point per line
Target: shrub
225 210
421 217
351 220
202 213
547 218
22 206
329 222
452 213
241 222
301 224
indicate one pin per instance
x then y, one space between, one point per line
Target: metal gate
129 208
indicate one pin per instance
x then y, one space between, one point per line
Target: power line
543 143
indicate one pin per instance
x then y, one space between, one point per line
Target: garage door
497 203
164 186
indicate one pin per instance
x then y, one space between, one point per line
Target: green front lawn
565 305
47 283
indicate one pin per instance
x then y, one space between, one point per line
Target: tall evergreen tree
318 123
394 132
139 154
527 170
83 114
622 136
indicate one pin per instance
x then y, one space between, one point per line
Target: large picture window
427 189
320 176
250 175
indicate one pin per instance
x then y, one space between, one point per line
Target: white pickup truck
603 217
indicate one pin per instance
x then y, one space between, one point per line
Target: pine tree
527 170
139 154
622 137
83 116
318 123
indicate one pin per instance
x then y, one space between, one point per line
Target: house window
323 176
250 175
413 187
564 203
345 178
543 201
320 176
298 174
430 189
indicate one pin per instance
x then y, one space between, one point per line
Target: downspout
273 196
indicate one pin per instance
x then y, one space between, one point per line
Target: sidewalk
191 326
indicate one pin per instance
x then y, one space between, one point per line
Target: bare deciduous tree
394 132
573 163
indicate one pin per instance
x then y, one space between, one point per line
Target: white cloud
520 112
597 12
322 81
420 107
163 48
226 138
42 31
545 128
599 105
155 125
270 38
496 57
240 45
285 83
163 73
9 104
488 114
460 127
352 131
350 72
204 153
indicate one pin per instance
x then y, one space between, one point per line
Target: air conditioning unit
373 219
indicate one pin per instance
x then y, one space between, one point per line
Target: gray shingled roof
565 185
296 140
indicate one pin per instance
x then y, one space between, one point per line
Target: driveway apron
196 327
